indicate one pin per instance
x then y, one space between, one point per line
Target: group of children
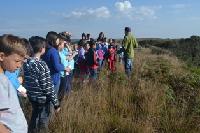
92 56
47 67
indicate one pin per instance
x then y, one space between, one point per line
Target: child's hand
20 80
67 69
57 110
22 91
67 57
23 94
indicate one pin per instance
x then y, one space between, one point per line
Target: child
70 75
91 60
105 45
101 36
16 77
63 52
86 47
66 37
88 37
120 52
12 53
39 87
51 57
112 56
81 60
83 37
100 56
75 59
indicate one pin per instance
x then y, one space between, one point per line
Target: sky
147 18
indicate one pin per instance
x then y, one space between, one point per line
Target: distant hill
187 49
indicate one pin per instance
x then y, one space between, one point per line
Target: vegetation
162 96
187 49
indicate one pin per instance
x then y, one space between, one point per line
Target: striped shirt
38 82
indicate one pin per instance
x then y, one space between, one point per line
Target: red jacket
112 55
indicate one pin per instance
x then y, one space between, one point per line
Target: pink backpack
100 53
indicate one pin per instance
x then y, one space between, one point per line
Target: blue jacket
71 63
63 61
52 59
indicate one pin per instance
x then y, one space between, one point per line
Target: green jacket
129 43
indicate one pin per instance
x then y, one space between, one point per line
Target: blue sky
147 18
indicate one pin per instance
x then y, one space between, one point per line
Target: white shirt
13 116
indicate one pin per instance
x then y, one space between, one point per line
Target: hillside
161 97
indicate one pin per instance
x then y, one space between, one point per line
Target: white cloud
124 9
127 9
101 12
145 11
77 14
123 6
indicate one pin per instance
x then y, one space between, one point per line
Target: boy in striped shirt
40 89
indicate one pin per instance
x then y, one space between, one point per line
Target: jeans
128 64
93 73
100 62
40 117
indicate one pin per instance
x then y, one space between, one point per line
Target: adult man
129 43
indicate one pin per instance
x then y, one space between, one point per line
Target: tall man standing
129 43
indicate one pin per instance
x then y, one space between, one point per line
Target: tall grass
161 97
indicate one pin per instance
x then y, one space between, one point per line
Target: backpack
100 53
